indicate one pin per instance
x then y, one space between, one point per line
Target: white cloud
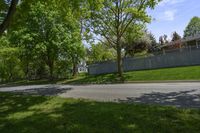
170 2
168 15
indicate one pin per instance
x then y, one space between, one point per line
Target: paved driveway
178 94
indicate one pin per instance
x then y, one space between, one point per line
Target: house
82 67
188 42
173 45
193 41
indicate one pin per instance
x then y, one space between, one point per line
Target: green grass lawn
179 73
158 75
38 114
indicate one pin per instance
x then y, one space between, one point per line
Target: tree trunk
51 73
119 47
119 61
27 71
9 16
74 71
51 69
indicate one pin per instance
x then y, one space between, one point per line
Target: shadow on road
44 91
178 99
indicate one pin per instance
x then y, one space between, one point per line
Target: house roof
191 38
171 43
187 39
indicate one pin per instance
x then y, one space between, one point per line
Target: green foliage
100 52
47 37
154 45
10 65
4 5
137 45
163 40
106 24
134 32
3 10
115 18
175 37
193 27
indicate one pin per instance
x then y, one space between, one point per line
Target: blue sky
172 15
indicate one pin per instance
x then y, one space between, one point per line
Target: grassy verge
159 75
179 73
28 82
37 114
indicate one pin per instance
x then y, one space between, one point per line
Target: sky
172 15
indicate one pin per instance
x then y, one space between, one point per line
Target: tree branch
9 16
127 25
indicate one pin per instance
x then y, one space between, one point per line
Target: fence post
197 44
149 63
163 51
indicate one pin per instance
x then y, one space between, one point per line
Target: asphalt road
177 94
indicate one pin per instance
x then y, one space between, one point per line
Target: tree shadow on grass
36 114
27 82
51 90
179 99
15 103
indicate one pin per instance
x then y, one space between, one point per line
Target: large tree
47 35
193 27
113 19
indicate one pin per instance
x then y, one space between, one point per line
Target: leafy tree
161 40
165 39
46 36
133 33
77 53
112 20
175 37
137 39
100 52
193 27
138 45
10 65
152 38
153 47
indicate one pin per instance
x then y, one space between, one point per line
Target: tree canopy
193 27
100 52
113 19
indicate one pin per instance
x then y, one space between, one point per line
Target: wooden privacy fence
175 58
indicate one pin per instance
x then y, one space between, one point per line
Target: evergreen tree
193 27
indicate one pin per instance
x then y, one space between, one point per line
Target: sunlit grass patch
58 115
